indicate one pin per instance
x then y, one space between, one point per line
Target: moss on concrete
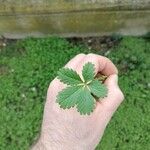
19 18
76 23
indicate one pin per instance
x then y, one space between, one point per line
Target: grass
28 66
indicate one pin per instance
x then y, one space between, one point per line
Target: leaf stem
89 82
81 84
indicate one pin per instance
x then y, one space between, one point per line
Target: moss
77 23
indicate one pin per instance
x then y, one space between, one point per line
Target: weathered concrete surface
76 24
19 18
56 6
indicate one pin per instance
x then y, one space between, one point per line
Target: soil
102 43
4 42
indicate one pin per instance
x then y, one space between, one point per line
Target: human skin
67 129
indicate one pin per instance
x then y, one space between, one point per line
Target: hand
67 129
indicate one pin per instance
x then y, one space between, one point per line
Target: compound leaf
69 76
87 102
88 72
97 88
80 93
68 97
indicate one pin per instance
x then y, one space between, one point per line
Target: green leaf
68 97
97 88
88 72
69 76
87 102
80 93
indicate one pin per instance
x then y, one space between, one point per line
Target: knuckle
80 55
120 95
54 83
90 55
108 60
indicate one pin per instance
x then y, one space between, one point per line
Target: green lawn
28 66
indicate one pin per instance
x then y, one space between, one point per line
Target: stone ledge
17 7
88 23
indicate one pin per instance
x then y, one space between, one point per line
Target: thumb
115 95
111 81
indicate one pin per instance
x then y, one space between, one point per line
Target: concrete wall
19 18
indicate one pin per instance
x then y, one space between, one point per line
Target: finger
106 66
101 64
115 96
74 62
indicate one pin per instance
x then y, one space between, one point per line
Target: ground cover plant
28 66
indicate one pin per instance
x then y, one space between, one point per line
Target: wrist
39 145
47 143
